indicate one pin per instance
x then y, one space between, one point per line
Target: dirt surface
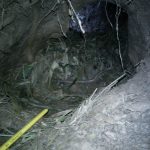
118 119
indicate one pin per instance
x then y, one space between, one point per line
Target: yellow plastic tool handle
15 137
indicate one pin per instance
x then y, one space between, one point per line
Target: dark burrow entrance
94 58
71 67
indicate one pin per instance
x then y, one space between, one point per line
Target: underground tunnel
86 62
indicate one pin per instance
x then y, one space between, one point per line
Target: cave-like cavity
68 68
101 53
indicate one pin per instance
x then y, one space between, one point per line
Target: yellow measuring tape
15 137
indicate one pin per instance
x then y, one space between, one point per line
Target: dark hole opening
93 59
71 68
99 51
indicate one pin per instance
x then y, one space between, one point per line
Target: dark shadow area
99 51
71 67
